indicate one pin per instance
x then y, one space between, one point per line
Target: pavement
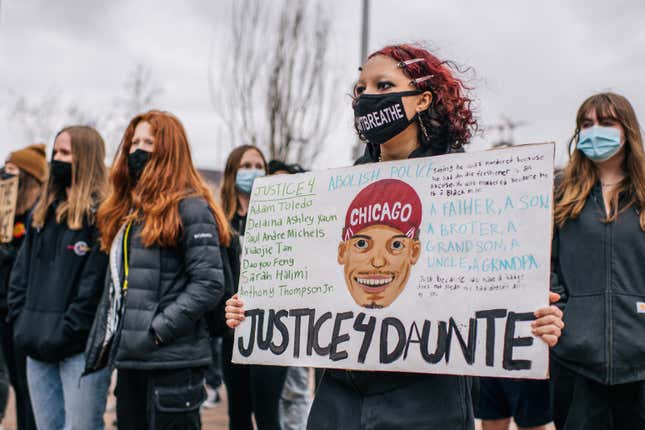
215 418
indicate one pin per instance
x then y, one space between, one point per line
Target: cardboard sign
430 265
8 199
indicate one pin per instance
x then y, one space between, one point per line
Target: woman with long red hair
438 119
163 232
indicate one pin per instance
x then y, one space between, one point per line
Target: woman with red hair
163 232
425 113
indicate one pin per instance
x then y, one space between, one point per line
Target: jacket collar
373 152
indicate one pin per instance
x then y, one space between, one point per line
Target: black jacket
455 412
8 253
54 289
169 292
599 271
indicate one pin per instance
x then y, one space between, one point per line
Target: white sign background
485 245
8 198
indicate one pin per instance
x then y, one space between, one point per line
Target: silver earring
424 130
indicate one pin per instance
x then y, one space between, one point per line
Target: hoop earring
424 130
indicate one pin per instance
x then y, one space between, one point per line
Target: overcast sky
533 61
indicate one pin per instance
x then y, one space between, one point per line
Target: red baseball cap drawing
390 202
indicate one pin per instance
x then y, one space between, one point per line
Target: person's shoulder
193 209
364 159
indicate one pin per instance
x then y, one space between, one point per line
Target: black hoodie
598 269
8 253
55 288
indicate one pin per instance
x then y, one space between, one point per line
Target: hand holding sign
234 311
549 324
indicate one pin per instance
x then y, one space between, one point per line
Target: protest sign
430 265
8 198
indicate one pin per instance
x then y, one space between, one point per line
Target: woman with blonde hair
598 367
163 232
56 284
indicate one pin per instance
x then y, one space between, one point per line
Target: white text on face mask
379 118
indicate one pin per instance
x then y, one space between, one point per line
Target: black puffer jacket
392 399
169 291
54 290
598 269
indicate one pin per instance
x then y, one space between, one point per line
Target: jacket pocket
179 399
628 327
40 335
583 337
136 341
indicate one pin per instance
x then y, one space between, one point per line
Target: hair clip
417 81
406 63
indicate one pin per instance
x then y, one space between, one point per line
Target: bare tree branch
276 56
40 117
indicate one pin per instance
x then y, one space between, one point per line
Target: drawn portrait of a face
380 242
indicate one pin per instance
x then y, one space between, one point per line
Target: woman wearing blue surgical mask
253 390
598 366
243 166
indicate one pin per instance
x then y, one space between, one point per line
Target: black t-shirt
239 223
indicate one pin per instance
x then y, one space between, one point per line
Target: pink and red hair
449 120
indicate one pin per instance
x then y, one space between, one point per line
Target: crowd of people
135 268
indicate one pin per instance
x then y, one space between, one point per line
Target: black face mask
137 162
380 117
61 173
4 175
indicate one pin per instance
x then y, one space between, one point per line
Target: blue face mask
245 177
599 143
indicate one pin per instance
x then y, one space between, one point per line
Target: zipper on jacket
609 305
104 349
116 337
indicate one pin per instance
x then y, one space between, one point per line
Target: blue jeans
61 399
295 400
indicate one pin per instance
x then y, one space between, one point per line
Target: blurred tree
39 117
139 93
282 85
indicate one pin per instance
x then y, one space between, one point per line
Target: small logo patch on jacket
80 248
202 236
640 307
19 230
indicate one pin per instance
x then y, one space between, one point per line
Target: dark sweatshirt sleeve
203 264
7 257
17 292
557 283
82 308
